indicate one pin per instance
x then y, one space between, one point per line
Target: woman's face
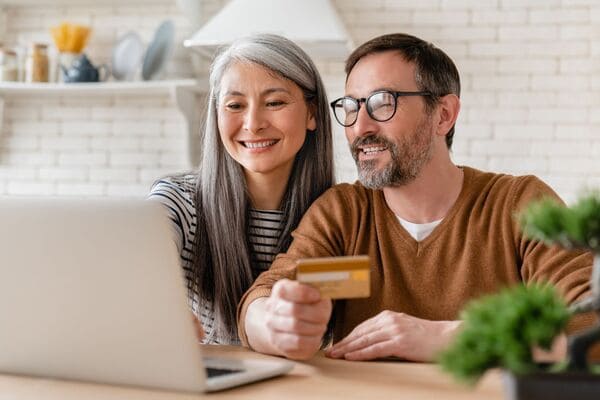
262 119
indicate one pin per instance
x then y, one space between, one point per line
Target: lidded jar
36 66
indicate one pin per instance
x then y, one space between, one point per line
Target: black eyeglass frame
366 99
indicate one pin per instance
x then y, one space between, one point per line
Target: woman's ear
311 125
311 122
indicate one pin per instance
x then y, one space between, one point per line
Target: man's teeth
258 145
370 150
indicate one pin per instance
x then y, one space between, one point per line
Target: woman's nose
255 119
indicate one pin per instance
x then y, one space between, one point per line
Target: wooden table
320 378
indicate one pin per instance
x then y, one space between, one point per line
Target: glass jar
36 65
9 70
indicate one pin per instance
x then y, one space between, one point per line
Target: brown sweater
476 249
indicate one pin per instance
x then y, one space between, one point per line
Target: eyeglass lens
381 106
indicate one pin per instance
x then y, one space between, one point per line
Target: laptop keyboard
212 372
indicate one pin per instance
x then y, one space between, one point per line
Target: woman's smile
256 146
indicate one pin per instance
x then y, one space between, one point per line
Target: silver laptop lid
92 290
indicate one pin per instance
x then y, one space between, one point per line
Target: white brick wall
53 147
530 87
531 94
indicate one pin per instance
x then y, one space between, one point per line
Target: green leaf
553 223
500 330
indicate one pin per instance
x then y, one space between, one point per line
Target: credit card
336 277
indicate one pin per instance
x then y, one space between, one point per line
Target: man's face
390 153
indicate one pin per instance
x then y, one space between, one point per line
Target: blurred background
529 70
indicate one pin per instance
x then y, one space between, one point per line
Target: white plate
159 50
127 56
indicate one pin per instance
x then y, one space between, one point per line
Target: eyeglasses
381 106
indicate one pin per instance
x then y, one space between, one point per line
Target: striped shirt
264 229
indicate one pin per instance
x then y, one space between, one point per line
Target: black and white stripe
176 194
263 234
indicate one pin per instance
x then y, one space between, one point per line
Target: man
437 235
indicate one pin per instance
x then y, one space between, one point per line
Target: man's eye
381 104
349 107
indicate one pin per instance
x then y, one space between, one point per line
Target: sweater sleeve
568 270
319 234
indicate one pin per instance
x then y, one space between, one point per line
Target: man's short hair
435 71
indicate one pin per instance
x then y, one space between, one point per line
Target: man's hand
558 351
391 334
198 327
294 319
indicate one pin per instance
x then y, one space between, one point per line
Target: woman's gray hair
222 263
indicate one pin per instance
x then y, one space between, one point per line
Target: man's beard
408 156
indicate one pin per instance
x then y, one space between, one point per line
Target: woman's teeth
258 145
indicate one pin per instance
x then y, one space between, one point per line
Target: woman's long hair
222 267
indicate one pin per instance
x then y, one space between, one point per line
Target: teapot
82 70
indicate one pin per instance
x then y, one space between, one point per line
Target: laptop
93 290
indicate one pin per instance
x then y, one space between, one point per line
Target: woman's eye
233 106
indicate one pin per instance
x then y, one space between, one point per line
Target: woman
266 156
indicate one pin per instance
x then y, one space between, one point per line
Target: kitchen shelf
29 3
107 88
189 94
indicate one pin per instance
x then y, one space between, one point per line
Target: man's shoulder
344 201
506 185
479 178
352 192
338 213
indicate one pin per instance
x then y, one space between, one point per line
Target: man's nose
364 125
254 119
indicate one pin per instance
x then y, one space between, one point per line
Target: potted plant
501 330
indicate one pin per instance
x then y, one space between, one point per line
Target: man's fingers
314 312
357 343
287 324
296 318
294 346
359 332
377 350
372 324
295 292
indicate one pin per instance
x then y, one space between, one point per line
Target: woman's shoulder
185 182
177 188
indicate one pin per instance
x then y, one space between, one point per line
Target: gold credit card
336 277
